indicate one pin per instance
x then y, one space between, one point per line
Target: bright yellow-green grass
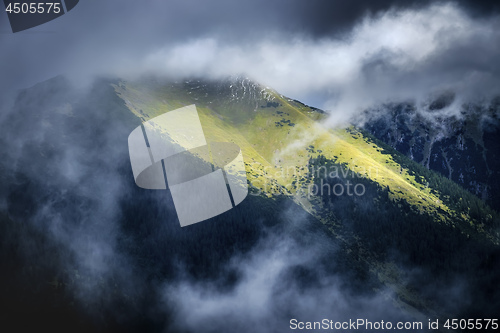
277 156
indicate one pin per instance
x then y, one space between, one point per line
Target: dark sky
319 51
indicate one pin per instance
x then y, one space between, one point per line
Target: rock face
459 141
229 92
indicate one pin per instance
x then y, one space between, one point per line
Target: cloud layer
280 280
398 55
379 51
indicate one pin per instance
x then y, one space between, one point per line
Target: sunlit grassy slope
278 136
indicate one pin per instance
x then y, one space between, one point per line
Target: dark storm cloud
337 55
98 35
323 18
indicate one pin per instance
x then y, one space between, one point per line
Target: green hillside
279 136
288 153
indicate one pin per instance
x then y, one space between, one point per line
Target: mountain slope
460 141
278 136
288 152
404 233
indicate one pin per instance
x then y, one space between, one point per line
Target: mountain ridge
286 145
407 216
279 139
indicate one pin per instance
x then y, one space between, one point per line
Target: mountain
458 140
279 138
287 151
381 223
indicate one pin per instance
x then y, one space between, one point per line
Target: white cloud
397 55
268 294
